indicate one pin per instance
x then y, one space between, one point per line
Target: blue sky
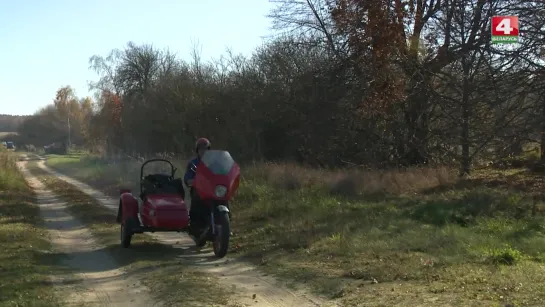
46 44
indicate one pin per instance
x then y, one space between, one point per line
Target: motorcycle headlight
220 191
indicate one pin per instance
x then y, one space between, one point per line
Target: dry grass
111 174
25 258
383 238
350 182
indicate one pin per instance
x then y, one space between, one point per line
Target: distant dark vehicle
10 145
56 149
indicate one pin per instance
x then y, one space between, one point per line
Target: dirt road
97 279
252 288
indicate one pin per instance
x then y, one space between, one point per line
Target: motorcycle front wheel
223 235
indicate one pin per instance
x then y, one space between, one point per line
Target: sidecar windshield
219 162
157 167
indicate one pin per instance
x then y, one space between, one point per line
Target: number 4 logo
505 29
505 26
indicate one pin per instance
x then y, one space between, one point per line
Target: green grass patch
404 237
155 264
344 247
26 263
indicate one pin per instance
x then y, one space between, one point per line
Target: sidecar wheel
126 231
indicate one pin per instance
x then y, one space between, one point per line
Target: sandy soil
97 281
251 287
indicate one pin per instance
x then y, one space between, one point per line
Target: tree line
10 123
379 83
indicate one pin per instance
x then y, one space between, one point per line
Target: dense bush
329 93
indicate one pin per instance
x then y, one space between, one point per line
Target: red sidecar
159 207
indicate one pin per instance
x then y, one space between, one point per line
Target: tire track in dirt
244 278
97 280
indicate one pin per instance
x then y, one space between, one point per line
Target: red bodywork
160 212
165 211
206 182
128 206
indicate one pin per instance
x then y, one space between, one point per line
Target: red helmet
202 143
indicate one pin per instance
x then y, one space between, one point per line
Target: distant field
5 134
2 134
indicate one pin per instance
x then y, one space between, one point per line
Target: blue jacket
189 172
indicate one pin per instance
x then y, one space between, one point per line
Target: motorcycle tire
221 240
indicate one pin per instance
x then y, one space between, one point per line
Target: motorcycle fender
223 208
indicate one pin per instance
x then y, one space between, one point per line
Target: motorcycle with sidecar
160 206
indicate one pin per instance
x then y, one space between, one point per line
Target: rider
196 213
